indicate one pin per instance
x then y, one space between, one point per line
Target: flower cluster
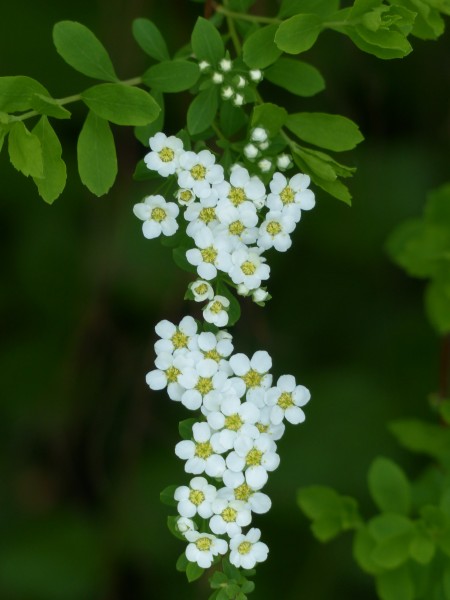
235 80
232 447
232 221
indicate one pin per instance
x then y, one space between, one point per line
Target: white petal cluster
233 445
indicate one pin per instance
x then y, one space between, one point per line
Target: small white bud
217 77
203 65
185 197
243 290
251 151
225 64
263 145
284 161
260 296
202 290
227 92
184 524
259 134
255 75
265 165
241 81
238 100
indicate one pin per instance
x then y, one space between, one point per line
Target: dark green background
86 447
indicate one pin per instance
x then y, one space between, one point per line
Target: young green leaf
167 495
149 38
270 116
144 132
389 487
395 585
363 547
298 34
81 49
172 76
289 8
207 43
333 132
295 76
25 151
53 181
185 428
193 571
421 437
16 93
97 161
202 110
260 50
422 548
437 306
45 105
121 104
179 257
182 563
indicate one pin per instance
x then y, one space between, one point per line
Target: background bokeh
85 446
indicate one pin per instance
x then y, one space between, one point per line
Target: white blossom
249 267
198 172
164 155
284 161
238 100
246 550
202 290
184 524
290 196
211 253
200 380
158 215
216 311
254 456
203 65
196 499
238 489
176 337
286 399
203 548
202 455
230 516
227 92
275 230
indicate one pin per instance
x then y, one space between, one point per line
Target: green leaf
363 547
393 552
231 119
323 8
179 257
218 579
193 572
182 563
299 33
97 161
422 548
389 525
185 428
332 132
16 93
385 39
389 487
149 38
121 104
145 132
4 130
172 76
234 310
395 585
259 50
167 495
45 105
437 307
25 151
421 437
80 48
230 570
269 116
172 525
207 43
295 76
385 52
53 181
202 111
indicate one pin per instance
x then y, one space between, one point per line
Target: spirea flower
247 550
198 172
158 215
196 499
230 516
202 290
164 155
285 400
216 311
203 548
202 454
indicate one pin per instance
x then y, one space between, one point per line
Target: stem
69 100
244 17
444 369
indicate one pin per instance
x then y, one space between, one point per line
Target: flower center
229 515
287 195
252 378
201 289
198 172
237 196
253 458
166 154
244 547
213 355
216 307
179 340
233 422
248 268
196 497
185 196
172 374
236 228
203 450
158 214
285 400
273 228
207 215
204 544
243 492
209 254
204 385
262 428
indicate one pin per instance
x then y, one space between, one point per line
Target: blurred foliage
85 446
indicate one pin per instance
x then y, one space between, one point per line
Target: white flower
201 213
253 372
211 253
238 100
246 187
286 399
255 75
255 457
216 311
248 267
232 388
200 380
264 423
203 65
238 489
184 524
227 92
238 222
225 64
217 77
203 548
284 161
202 290
265 165
196 499
165 154
176 337
169 367
202 454
158 215
185 197
291 196
234 418
259 134
216 347
275 230
247 550
198 172
230 515
251 151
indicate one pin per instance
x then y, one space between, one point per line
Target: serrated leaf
172 76
259 50
193 572
202 111
206 41
295 76
150 39
167 495
121 104
81 49
16 93
45 105
25 151
96 152
332 132
299 33
389 487
269 116
54 175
